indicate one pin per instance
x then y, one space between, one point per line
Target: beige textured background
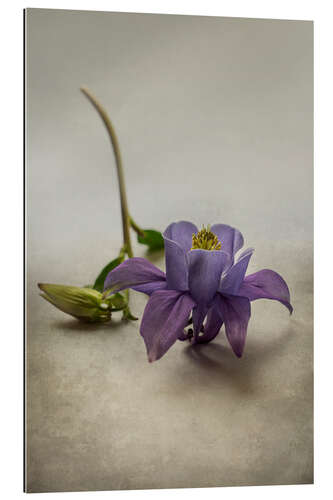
214 118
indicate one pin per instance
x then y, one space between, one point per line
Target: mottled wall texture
215 122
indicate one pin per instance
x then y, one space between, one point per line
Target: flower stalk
120 172
127 221
91 303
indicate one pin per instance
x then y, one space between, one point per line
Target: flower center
206 240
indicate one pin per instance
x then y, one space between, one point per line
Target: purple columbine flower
203 279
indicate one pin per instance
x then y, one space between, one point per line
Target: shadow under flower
215 361
82 327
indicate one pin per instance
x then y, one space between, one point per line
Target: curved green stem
136 228
122 253
121 181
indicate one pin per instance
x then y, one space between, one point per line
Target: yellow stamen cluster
206 240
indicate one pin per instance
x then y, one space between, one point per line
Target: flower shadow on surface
104 328
215 362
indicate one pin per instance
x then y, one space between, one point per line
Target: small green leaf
99 283
117 301
153 239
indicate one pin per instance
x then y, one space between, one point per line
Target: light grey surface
214 118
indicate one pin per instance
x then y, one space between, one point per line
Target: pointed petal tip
152 358
238 350
151 355
266 284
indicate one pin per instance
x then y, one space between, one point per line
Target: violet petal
266 284
136 273
235 312
213 324
205 269
149 288
231 282
177 242
231 239
176 265
181 233
164 319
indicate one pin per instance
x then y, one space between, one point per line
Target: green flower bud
85 304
